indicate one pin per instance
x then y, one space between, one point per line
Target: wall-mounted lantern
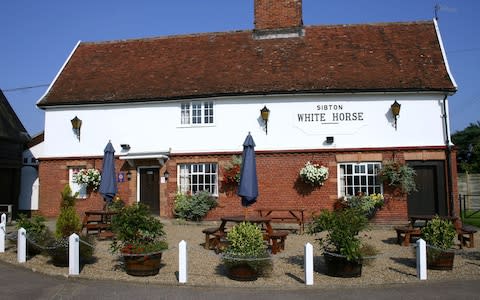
265 112
395 107
166 175
76 125
129 175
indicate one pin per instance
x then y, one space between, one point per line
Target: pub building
177 108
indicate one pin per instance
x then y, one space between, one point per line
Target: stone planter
147 264
440 260
339 266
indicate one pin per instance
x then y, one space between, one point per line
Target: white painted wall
156 126
29 182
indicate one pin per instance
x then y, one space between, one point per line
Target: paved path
20 283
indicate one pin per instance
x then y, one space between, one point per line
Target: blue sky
37 37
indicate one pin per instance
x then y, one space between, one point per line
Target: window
198 177
359 177
75 187
196 113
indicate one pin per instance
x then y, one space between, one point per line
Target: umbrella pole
245 213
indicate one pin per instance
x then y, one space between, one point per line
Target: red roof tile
343 58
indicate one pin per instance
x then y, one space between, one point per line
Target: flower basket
89 177
314 174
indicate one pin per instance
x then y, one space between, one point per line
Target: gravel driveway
394 264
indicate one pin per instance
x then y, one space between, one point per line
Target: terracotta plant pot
339 266
440 260
142 264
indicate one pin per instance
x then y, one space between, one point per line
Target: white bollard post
3 232
421 259
182 262
22 245
308 264
73 254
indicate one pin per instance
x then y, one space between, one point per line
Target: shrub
439 233
246 246
399 175
368 204
137 231
38 234
68 199
193 207
68 222
343 227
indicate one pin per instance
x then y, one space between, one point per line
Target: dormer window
197 113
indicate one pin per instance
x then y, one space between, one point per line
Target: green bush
137 231
38 234
68 199
68 222
439 233
246 246
193 207
343 227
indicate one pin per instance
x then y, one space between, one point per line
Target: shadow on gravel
390 241
409 262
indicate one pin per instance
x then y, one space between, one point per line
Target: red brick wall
275 14
53 174
279 185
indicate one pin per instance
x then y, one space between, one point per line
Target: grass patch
470 219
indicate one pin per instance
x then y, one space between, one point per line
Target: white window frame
196 113
186 173
75 187
356 183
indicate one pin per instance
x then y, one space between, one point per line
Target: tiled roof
343 58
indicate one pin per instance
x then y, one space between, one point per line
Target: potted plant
38 234
368 204
341 246
439 235
313 174
399 175
68 222
246 256
140 239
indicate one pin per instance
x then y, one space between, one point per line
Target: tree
468 144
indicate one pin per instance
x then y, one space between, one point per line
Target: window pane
359 177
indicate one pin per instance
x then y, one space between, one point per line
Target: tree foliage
468 144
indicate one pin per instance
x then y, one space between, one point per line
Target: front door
150 189
430 197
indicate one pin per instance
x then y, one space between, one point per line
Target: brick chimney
278 14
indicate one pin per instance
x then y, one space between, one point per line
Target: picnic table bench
295 215
466 236
97 221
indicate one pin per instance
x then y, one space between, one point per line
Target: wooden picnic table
98 220
275 238
285 214
426 218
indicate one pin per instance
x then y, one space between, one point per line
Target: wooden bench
466 236
93 225
210 238
405 233
277 239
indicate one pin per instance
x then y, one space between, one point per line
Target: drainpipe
449 158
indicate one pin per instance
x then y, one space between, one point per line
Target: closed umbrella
248 188
108 184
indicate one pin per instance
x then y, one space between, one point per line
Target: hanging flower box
89 177
314 174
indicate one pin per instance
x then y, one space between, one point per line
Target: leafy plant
116 205
68 222
246 246
343 227
68 199
193 207
137 231
399 175
439 233
90 177
368 204
38 234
